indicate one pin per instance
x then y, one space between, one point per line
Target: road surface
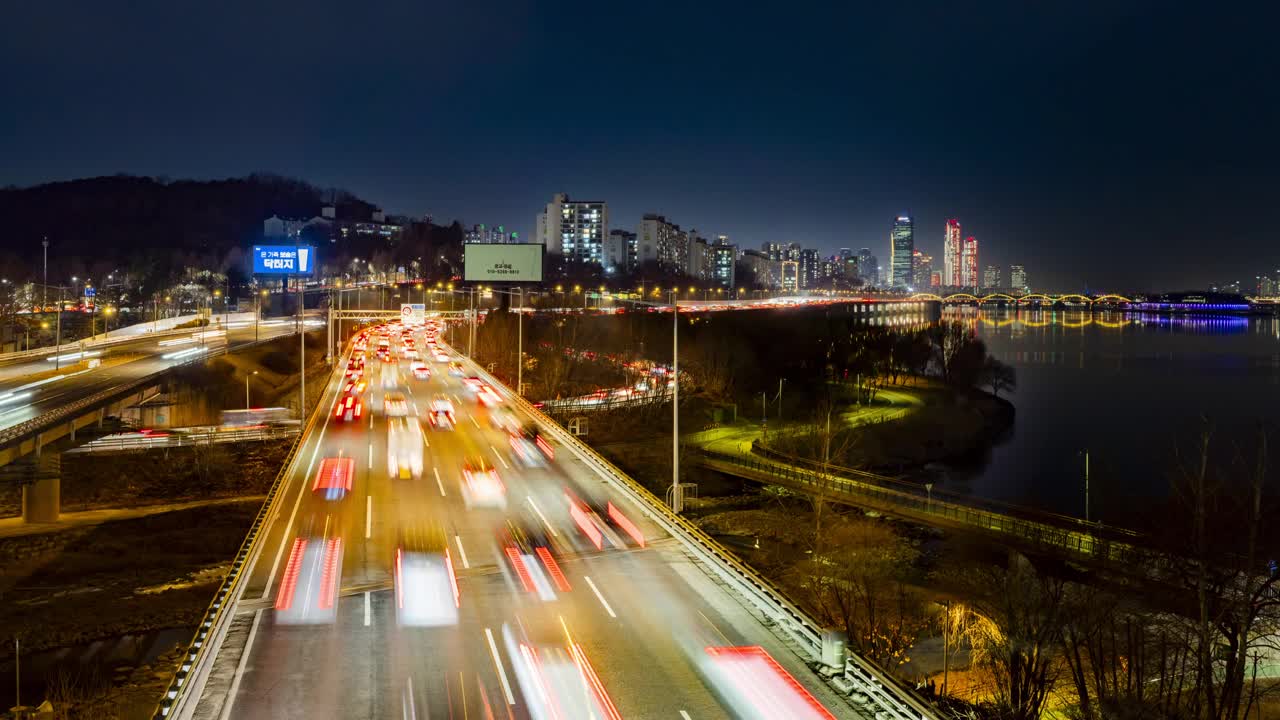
348 610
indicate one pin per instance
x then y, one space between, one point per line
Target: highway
412 597
31 387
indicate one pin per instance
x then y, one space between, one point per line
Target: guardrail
889 696
1083 542
185 439
213 626
79 345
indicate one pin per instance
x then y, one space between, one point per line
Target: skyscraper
991 276
922 269
619 252
662 242
575 229
951 254
867 264
902 245
969 263
809 264
1018 278
724 258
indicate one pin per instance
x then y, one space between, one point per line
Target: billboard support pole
328 344
302 356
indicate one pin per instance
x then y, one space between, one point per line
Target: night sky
1114 145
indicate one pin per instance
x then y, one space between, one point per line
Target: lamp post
246 388
677 502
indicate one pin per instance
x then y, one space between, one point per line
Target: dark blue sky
1115 144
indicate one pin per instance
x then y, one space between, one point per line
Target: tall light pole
57 342
520 347
44 293
302 354
1086 485
246 389
677 502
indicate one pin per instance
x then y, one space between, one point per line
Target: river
1127 388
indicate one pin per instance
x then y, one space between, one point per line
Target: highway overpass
567 593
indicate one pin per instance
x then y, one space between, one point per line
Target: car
348 408
455 369
410 354
334 478
442 357
426 587
404 448
503 419
354 387
441 416
394 404
472 384
420 370
531 559
481 486
530 447
488 396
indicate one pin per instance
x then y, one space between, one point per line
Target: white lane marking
368 516
410 706
499 456
371 455
538 510
472 418
244 660
368 612
462 553
425 441
288 529
439 484
684 716
497 663
603 602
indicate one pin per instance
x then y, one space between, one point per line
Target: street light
246 388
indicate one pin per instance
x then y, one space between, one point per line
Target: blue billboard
284 259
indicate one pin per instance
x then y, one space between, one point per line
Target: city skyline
1071 138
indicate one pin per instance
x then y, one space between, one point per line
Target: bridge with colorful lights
1028 299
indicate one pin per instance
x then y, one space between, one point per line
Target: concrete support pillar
42 501
39 443
71 427
102 415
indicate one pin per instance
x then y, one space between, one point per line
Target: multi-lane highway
379 592
31 387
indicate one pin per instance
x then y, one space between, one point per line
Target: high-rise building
868 267
902 246
619 252
991 276
724 258
935 279
489 234
660 241
1018 278
790 275
697 256
774 251
809 261
575 229
922 269
951 248
969 263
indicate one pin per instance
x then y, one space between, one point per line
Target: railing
892 698
201 436
217 617
79 345
1083 542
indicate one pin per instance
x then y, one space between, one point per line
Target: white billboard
413 313
512 262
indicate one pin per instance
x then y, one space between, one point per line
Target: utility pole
1086 486
780 381
520 347
302 359
677 502
764 414
57 342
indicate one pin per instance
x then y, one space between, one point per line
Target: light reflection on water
1126 386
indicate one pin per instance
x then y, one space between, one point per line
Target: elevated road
32 387
335 616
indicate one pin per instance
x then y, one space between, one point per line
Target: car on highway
404 448
530 448
394 404
488 396
442 417
308 593
426 585
334 478
354 387
532 559
481 486
348 408
455 369
504 419
441 356
420 370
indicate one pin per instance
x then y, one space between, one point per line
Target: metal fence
189 438
1081 541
